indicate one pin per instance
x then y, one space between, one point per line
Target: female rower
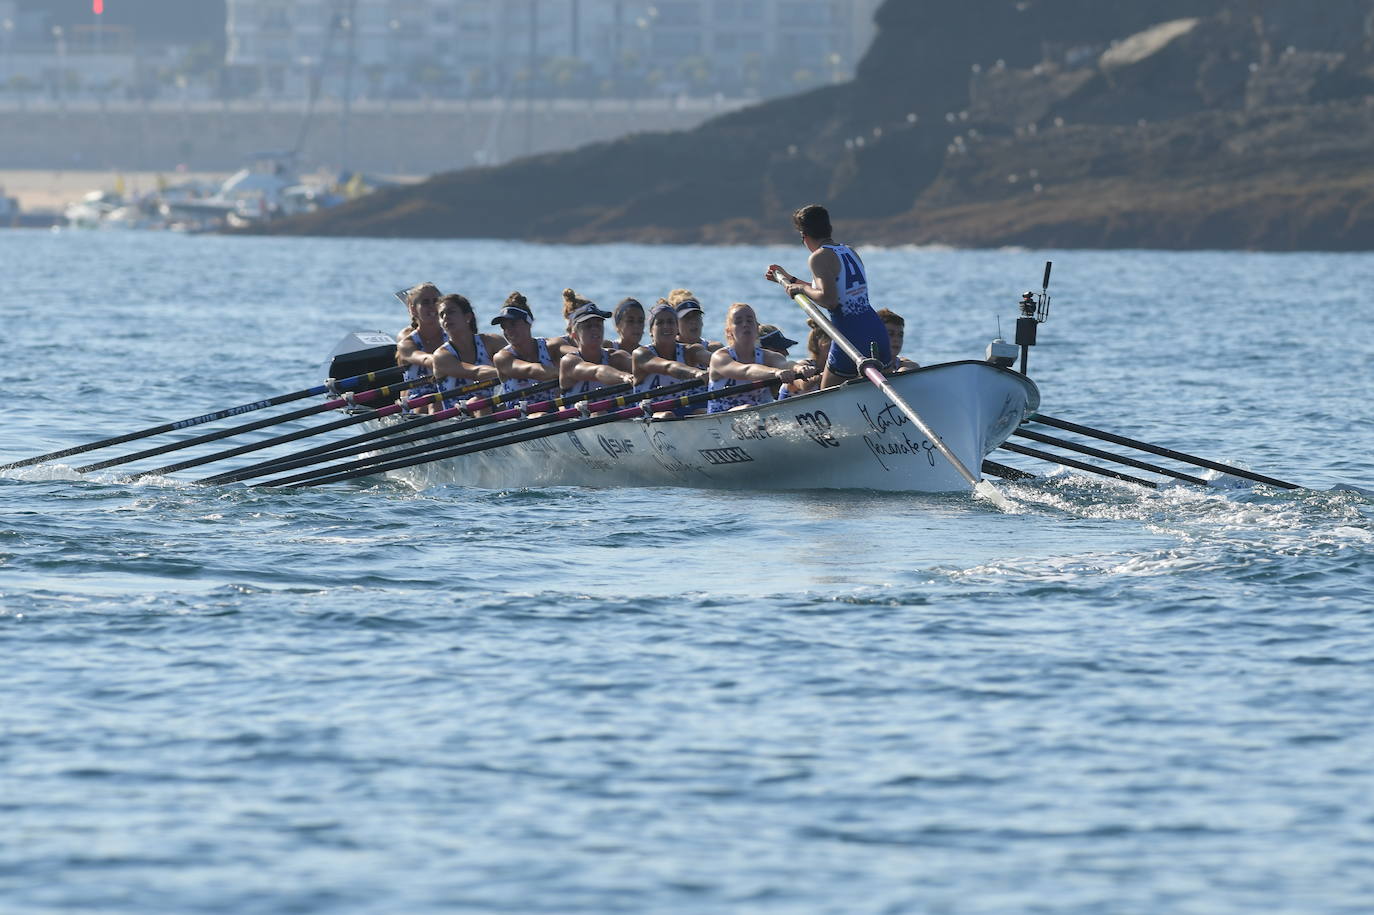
817 349
410 297
415 350
466 355
591 365
628 318
525 360
568 342
690 318
667 361
742 361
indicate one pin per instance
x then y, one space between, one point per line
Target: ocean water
363 698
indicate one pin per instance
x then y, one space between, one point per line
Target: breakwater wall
410 137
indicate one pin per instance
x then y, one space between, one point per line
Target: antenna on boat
1035 310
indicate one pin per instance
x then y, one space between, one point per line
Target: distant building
583 48
59 51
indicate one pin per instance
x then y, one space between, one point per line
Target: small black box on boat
360 353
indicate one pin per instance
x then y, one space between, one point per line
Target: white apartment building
61 63
559 47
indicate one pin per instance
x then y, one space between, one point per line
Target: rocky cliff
1160 123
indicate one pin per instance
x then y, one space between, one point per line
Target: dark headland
1061 123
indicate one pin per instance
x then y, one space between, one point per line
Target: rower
466 356
525 360
772 338
841 286
666 360
567 343
896 334
817 349
742 360
415 349
690 318
628 318
412 296
591 365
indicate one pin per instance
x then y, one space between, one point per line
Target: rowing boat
847 437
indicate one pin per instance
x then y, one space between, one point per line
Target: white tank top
413 371
448 384
748 398
511 385
583 387
658 379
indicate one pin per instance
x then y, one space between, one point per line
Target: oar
382 394
345 384
395 435
1107 455
1077 465
497 441
871 370
403 457
1006 471
1162 452
411 404
388 434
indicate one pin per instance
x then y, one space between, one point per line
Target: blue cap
586 313
512 312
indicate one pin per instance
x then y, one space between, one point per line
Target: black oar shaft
340 448
274 441
390 436
345 384
366 397
258 446
1162 452
1006 471
497 438
1078 465
1107 456
512 425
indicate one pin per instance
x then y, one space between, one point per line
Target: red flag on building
97 6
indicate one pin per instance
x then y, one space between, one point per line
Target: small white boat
849 437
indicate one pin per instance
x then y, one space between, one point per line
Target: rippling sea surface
362 698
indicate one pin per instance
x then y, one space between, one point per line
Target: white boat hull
850 437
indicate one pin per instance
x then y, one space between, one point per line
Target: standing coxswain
841 287
742 360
